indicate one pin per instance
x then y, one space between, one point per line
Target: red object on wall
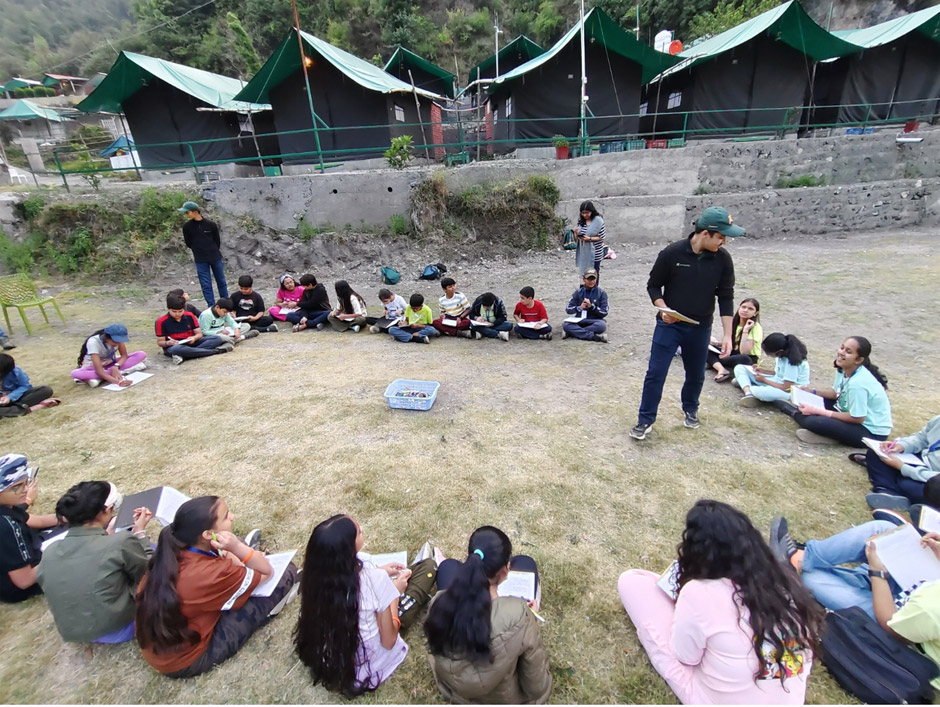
675 47
437 131
655 144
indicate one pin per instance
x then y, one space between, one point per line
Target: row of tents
778 68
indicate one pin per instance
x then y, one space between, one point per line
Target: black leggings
734 359
848 433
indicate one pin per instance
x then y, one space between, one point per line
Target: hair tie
479 552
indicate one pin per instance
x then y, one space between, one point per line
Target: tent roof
520 44
600 28
132 71
54 79
408 59
122 143
21 83
286 60
25 109
927 22
789 23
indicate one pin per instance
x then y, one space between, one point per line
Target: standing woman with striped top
591 234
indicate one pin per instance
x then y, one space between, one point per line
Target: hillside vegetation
233 36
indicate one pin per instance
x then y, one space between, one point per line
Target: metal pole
583 87
496 35
303 64
479 113
192 157
55 156
424 137
829 21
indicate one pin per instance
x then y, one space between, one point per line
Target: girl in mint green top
856 406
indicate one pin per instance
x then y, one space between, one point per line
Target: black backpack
872 665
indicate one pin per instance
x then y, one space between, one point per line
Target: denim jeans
585 329
526 333
491 332
666 339
206 346
839 587
404 334
295 315
890 480
205 271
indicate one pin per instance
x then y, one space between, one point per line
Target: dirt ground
528 436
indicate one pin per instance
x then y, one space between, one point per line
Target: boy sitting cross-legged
488 318
180 337
417 326
454 307
217 320
531 317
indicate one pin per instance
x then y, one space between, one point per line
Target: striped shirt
592 230
453 306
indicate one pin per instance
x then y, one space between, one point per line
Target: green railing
757 123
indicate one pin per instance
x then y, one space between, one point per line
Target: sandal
723 377
299 327
859 458
48 403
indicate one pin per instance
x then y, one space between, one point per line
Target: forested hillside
232 36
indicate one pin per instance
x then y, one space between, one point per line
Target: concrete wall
644 195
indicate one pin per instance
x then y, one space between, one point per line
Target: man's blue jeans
839 587
205 271
666 339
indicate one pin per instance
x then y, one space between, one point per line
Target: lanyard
201 552
933 448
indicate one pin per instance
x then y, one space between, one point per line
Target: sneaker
355 328
812 438
786 407
133 369
374 329
749 401
253 539
734 382
251 333
177 360
781 544
601 337
425 339
564 334
288 598
94 382
6 343
692 421
547 337
887 500
464 333
272 329
890 516
477 335
320 326
226 347
640 431
504 335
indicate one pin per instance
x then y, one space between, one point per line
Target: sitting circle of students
735 619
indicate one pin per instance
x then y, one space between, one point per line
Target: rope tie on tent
610 68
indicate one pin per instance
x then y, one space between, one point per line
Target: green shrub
803 180
29 209
306 232
398 155
398 224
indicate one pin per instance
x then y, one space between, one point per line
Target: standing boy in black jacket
686 278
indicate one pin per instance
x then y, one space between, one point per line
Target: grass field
528 436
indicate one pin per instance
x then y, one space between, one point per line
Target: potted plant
561 147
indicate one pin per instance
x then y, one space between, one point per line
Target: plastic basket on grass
411 395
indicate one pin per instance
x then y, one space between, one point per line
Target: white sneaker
288 598
564 334
320 326
374 329
504 335
177 360
355 328
94 382
465 333
133 369
425 340
601 337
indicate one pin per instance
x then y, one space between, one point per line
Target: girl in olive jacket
485 648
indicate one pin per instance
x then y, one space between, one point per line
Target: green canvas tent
730 79
24 109
359 107
517 52
426 75
895 76
16 83
162 102
542 97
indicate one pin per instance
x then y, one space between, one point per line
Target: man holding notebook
685 280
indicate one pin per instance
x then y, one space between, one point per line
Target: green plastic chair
18 291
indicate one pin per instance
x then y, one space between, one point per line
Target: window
399 113
644 108
508 106
675 100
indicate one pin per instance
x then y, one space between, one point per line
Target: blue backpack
390 276
432 272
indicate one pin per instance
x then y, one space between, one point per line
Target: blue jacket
598 299
15 384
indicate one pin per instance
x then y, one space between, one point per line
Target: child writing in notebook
394 306
791 368
418 322
531 312
104 357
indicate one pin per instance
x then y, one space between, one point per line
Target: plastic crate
656 144
398 402
630 145
675 142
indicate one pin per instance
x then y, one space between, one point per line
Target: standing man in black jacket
202 238
686 278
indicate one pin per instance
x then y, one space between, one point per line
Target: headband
283 277
114 498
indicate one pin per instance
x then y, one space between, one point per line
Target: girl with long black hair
746 338
591 233
90 575
742 628
194 607
348 632
104 357
856 405
485 648
351 310
791 368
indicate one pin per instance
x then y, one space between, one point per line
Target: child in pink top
702 644
288 295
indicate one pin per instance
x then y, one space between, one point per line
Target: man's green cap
715 218
189 206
